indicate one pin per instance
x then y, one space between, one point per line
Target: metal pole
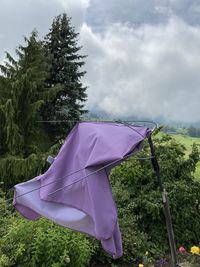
166 207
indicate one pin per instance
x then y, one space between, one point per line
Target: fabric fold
75 191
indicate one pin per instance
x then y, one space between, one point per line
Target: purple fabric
88 147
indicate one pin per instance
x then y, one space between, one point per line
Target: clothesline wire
84 168
126 123
100 169
96 171
111 121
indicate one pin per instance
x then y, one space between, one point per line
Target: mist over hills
103 115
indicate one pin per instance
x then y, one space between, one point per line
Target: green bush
6 216
142 223
42 243
135 189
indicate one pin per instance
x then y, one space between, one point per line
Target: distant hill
101 114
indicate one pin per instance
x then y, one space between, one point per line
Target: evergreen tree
22 94
65 70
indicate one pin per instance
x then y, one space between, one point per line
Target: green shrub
6 216
135 189
142 223
42 243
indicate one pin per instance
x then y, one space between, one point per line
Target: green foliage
65 70
136 192
23 141
39 85
31 91
194 132
15 169
42 243
141 218
188 142
185 209
135 241
5 214
23 93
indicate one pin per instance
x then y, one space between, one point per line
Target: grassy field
188 141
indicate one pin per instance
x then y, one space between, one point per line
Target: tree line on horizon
194 132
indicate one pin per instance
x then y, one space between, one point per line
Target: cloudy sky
143 55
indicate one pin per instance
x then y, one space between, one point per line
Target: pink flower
181 250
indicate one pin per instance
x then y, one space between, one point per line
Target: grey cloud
188 10
151 71
101 13
20 18
137 12
143 56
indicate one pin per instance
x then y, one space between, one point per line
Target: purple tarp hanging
73 191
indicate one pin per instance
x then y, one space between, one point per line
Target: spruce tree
22 94
65 70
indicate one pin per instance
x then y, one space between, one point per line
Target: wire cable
82 178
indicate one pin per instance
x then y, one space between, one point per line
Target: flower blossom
181 250
195 250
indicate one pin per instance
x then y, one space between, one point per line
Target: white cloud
70 3
20 18
76 9
150 71
143 56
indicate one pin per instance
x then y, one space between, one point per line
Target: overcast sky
143 55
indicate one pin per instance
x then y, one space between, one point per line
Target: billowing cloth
75 190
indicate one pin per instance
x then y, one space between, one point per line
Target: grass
188 141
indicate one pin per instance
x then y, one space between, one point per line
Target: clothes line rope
111 121
100 169
127 123
66 176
